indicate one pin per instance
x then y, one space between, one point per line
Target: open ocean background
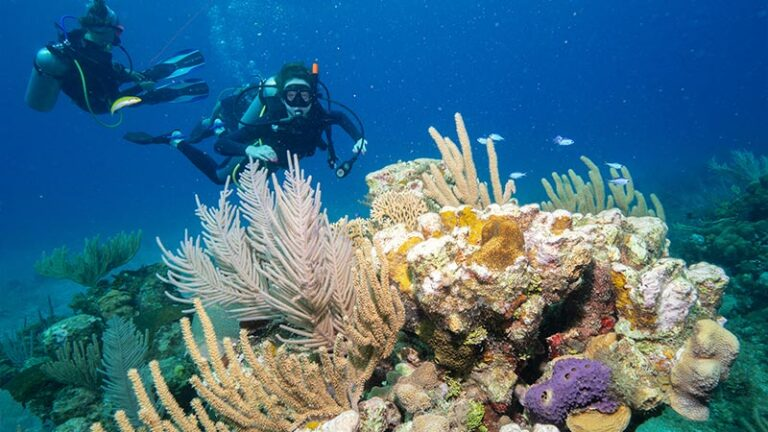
661 86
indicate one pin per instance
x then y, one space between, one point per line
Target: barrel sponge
704 362
575 383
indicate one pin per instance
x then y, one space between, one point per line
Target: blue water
659 85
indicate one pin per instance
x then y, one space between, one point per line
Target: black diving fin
188 90
179 64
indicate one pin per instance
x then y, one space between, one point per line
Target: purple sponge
575 383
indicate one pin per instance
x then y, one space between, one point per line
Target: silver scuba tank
43 87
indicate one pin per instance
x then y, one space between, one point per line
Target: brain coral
705 360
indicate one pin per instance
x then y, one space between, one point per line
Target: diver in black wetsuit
81 66
286 116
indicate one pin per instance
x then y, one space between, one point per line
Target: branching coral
278 390
288 263
467 189
572 193
393 207
744 168
95 261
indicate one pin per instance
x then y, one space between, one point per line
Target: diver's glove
218 127
145 83
261 152
361 146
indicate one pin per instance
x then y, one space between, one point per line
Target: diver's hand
144 82
361 146
261 152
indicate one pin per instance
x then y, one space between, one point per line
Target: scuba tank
44 86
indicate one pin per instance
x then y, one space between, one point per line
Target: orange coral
561 224
624 304
501 243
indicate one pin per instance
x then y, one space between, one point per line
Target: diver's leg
200 132
200 159
230 168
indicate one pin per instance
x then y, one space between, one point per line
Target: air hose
88 101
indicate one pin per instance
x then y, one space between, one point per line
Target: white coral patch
434 282
429 223
393 237
428 249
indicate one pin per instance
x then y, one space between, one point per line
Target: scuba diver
265 121
81 66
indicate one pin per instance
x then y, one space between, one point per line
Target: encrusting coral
595 421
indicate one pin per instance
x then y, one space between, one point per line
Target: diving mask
297 95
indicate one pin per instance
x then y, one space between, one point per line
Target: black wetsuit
103 77
302 136
299 135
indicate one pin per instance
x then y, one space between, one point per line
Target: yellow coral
624 304
501 243
399 265
465 217
561 224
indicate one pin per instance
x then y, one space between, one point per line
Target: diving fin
179 64
144 138
188 90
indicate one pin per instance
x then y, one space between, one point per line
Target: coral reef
473 316
393 207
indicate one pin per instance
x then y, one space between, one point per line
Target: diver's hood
98 14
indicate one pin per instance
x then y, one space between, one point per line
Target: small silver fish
516 175
615 165
563 141
494 137
620 181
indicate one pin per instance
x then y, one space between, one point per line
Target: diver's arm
343 120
